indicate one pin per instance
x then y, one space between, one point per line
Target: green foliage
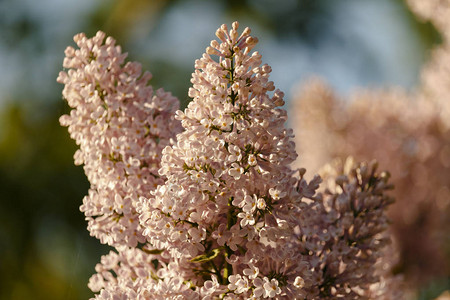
46 250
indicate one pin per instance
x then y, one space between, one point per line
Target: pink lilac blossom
138 274
121 126
221 213
227 209
226 173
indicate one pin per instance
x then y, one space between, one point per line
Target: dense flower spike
343 231
228 176
121 126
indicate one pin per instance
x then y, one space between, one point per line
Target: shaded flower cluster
404 135
342 231
215 212
408 133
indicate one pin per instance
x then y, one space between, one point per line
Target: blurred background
45 250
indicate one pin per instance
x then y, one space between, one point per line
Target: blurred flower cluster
407 133
204 204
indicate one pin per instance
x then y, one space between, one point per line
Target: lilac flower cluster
228 187
121 126
344 230
405 131
215 212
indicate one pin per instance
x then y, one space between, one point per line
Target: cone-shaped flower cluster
228 180
121 126
219 213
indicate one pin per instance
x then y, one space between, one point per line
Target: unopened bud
340 180
233 35
220 34
215 44
246 31
266 69
211 51
302 171
224 27
251 41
